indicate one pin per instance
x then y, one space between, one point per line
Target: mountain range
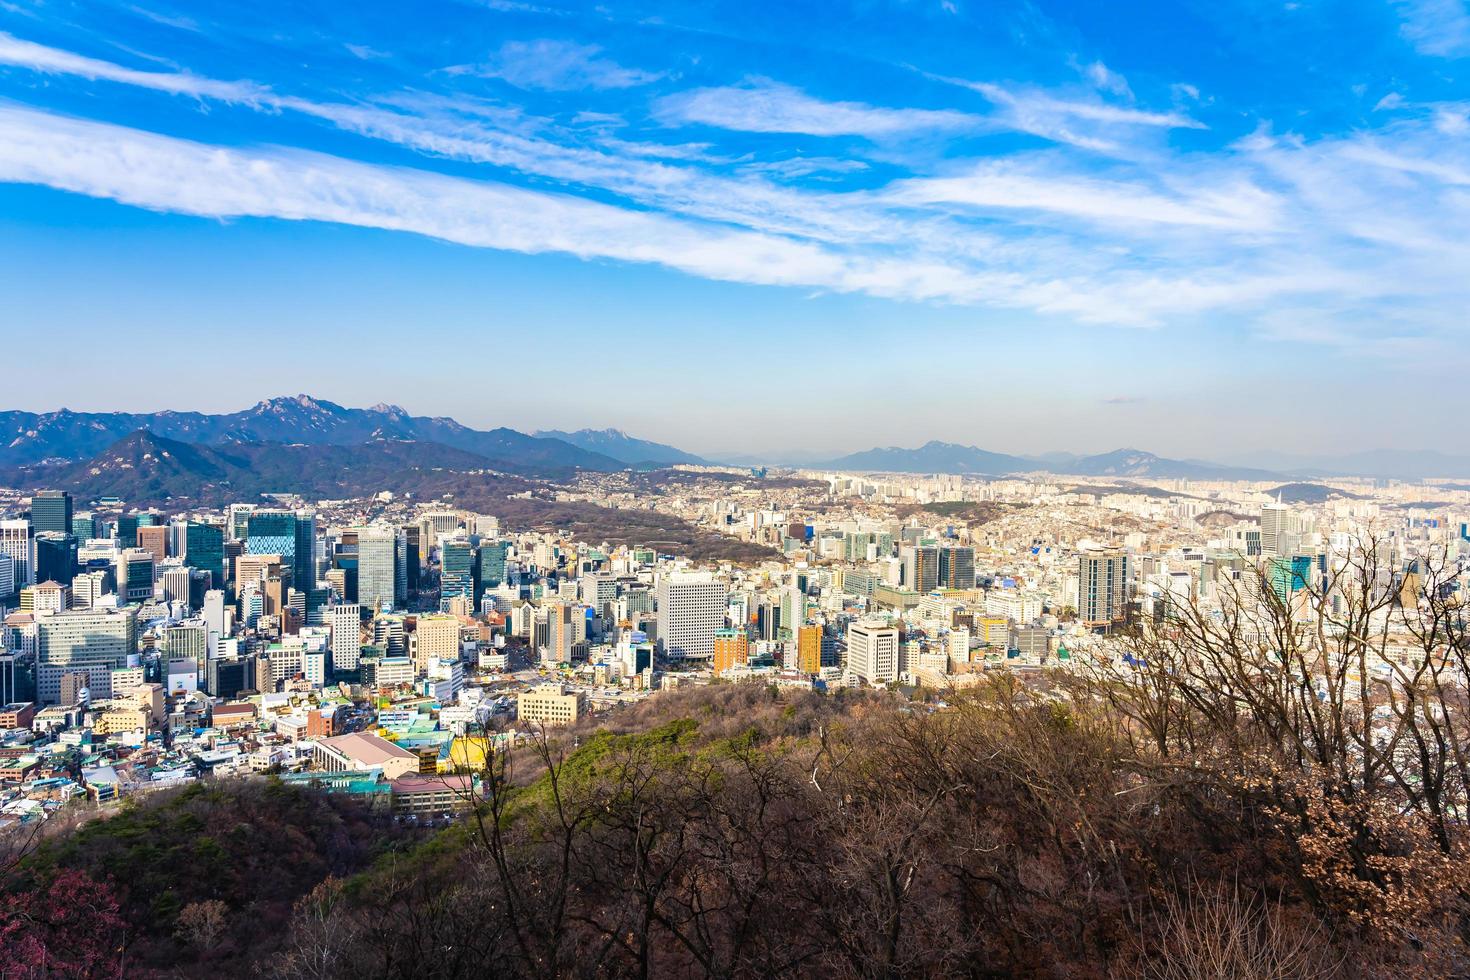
28 437
64 436
146 468
623 447
948 457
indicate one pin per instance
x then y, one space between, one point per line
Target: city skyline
1072 229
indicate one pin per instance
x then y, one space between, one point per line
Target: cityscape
898 490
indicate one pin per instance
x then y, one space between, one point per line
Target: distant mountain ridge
948 457
29 437
622 447
1401 464
146 468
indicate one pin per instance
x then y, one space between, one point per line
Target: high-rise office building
1277 522
303 563
154 540
558 631
921 568
125 531
84 527
56 556
15 541
809 649
456 570
493 556
1102 588
345 620
691 607
793 613
732 649
957 567
90 586
51 511
204 549
434 638
237 521
872 652
93 641
271 532
175 580
135 575
1286 575
188 641
377 568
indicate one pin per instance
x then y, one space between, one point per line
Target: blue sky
1198 228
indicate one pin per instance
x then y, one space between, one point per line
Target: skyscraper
154 540
272 532
957 567
456 570
93 641
492 563
303 557
15 541
691 606
872 652
345 620
51 511
377 567
125 531
1102 588
1277 522
732 649
56 557
921 568
135 575
809 649
204 549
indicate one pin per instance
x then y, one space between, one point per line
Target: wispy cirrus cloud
53 61
1436 27
764 106
1241 206
1370 219
557 66
363 52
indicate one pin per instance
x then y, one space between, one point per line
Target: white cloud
1086 123
1107 80
365 53
1436 27
166 174
560 66
764 106
37 57
1373 221
1001 187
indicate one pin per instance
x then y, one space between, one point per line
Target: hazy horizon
1260 457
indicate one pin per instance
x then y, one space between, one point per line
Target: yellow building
549 704
993 631
732 649
434 638
809 649
115 721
